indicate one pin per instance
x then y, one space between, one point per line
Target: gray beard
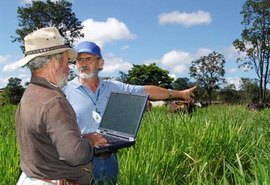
62 82
86 75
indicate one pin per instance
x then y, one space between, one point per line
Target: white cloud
185 19
4 59
180 69
114 65
125 47
178 62
173 76
230 53
232 70
3 81
26 1
104 32
25 78
202 52
175 58
11 67
151 61
31 1
234 80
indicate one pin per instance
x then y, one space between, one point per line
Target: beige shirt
49 139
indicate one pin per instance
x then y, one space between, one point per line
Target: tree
182 83
255 41
40 14
13 92
230 95
249 90
209 72
147 75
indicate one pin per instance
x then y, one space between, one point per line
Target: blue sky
171 33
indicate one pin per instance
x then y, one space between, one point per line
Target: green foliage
208 71
147 75
4 99
13 92
255 41
41 14
9 155
231 96
218 145
249 90
182 83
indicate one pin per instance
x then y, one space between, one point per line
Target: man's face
87 65
63 71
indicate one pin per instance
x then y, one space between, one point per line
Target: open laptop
121 121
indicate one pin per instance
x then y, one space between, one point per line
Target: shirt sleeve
123 87
60 122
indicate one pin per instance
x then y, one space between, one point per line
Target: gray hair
42 61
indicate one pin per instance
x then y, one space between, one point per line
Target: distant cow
182 106
151 104
186 106
201 104
157 103
257 106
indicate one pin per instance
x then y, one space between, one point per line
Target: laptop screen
124 113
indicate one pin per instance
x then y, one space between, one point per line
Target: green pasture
217 145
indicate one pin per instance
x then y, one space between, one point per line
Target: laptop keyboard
113 139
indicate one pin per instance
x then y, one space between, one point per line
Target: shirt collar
44 83
77 84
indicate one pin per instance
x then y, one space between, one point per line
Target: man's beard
62 80
87 75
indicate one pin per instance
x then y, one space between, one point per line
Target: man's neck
91 83
44 74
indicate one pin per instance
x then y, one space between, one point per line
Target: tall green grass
9 155
217 145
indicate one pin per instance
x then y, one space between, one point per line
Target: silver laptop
121 121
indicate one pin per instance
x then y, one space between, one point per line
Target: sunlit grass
9 156
217 145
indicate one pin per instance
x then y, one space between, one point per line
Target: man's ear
100 64
53 60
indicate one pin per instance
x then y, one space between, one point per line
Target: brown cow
182 106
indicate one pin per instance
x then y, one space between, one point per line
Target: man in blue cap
88 94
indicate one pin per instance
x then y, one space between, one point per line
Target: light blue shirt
84 101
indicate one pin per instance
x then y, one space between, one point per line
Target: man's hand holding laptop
96 139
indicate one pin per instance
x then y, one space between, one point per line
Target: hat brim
72 54
90 52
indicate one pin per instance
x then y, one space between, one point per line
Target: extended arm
158 93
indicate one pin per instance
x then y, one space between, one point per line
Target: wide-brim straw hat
43 42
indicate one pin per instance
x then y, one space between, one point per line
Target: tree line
207 72
152 74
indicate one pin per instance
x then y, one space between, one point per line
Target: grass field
9 155
218 145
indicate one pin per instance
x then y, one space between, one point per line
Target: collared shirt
50 142
86 103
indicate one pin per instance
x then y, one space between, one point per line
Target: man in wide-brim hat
50 144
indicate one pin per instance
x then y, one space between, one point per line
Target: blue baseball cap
88 47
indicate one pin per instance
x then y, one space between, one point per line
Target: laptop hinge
98 131
107 133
